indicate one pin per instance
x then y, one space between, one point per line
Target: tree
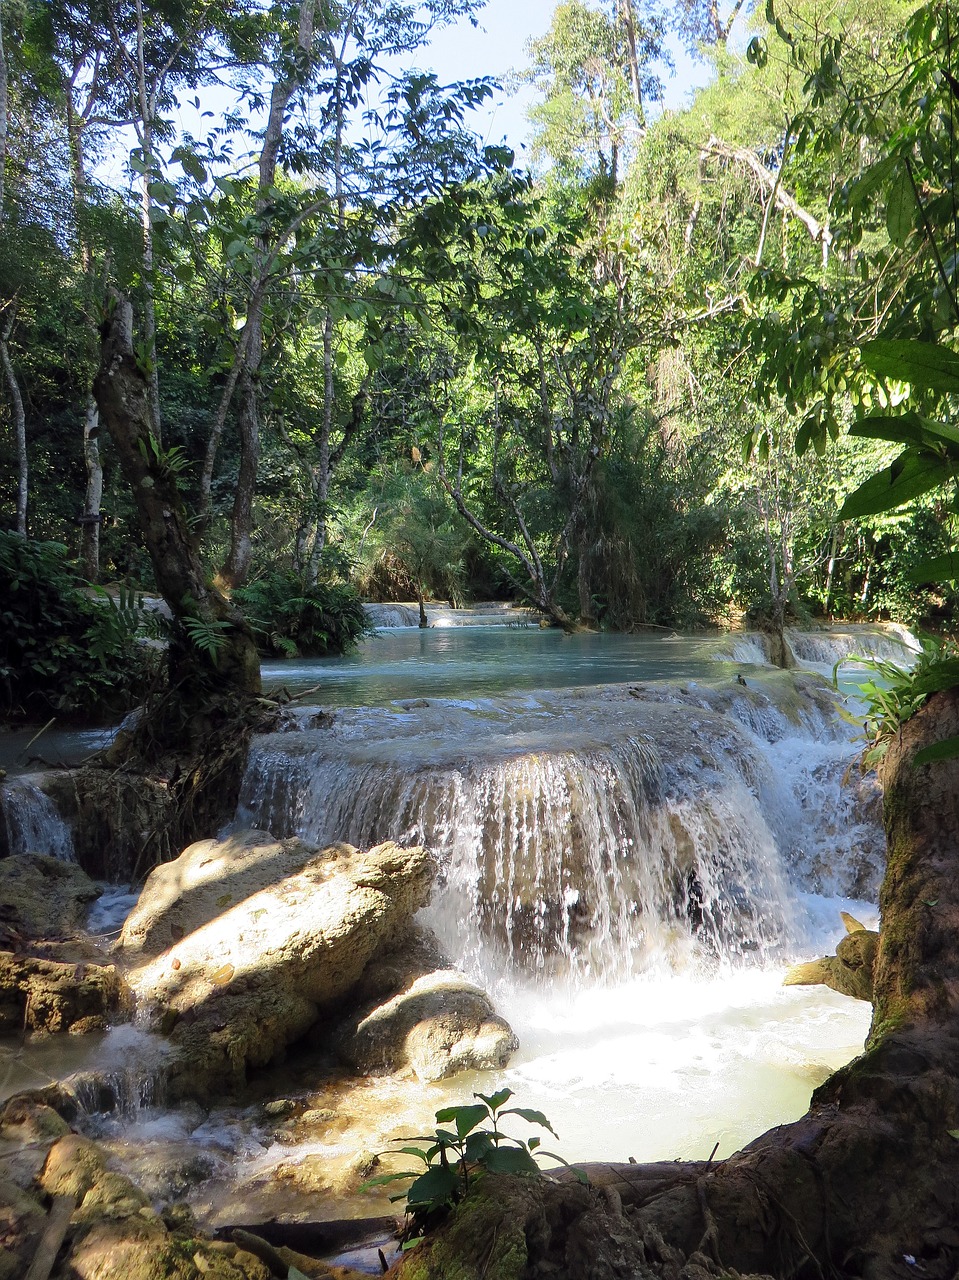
212 647
596 73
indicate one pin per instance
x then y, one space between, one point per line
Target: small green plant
899 692
452 1158
207 635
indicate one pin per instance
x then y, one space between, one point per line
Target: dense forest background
380 359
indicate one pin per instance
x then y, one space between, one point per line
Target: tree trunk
93 496
249 354
628 19
4 114
212 648
865 1185
19 423
236 568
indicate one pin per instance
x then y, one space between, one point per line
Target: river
636 834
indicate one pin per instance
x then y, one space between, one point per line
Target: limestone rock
21 1222
44 897
198 886
439 1025
244 984
46 995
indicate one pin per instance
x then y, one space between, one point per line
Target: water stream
635 836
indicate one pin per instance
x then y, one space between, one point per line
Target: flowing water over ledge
635 836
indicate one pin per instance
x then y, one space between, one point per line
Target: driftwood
53 1237
865 1185
850 971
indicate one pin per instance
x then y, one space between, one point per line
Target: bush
291 619
62 650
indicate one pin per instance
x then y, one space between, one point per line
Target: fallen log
865 1185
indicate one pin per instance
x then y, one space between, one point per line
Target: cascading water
494 614
666 839
32 822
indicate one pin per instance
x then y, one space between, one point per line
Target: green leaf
909 429
191 165
944 568
870 181
478 1146
495 1100
924 364
947 749
434 1187
901 209
511 1160
465 1118
532 1117
910 476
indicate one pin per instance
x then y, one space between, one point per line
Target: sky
498 46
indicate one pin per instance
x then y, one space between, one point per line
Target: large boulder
249 980
206 879
43 897
423 1015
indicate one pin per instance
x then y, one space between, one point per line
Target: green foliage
899 692
63 650
290 617
453 1158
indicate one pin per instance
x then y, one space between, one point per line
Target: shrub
63 650
290 618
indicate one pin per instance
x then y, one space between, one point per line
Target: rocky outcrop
121 823
64 1212
48 995
43 897
425 1017
243 985
849 971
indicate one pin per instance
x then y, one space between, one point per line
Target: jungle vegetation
276 327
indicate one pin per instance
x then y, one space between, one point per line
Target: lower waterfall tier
594 834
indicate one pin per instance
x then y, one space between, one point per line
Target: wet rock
44 897
21 1221
47 995
253 978
120 822
415 1011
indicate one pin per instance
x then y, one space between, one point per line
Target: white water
33 824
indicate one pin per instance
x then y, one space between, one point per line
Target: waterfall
494 614
31 820
826 648
126 1076
594 835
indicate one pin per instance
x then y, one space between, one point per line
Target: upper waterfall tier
493 614
596 833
